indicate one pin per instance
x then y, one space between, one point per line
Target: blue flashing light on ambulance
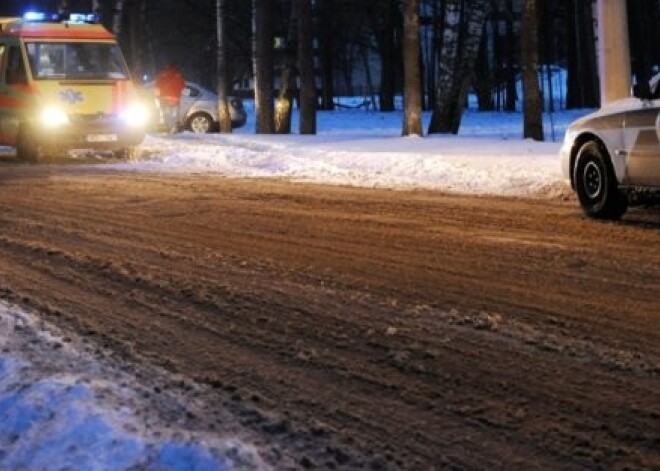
64 84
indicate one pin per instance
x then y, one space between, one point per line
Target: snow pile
58 411
364 148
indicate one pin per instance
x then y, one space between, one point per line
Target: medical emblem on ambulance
71 96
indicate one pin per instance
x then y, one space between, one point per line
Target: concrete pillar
613 50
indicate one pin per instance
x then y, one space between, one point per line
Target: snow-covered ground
365 148
62 407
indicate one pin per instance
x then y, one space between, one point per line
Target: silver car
198 110
612 157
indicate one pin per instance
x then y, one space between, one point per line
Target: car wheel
27 148
125 153
200 123
596 185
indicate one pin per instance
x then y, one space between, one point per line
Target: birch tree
463 28
532 103
412 101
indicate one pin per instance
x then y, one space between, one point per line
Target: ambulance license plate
101 137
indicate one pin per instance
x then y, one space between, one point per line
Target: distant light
77 18
34 16
83 18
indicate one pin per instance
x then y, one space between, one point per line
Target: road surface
357 328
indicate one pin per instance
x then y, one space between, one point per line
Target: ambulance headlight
53 117
135 115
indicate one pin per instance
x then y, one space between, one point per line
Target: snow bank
364 148
62 409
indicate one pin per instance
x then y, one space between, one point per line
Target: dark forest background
358 45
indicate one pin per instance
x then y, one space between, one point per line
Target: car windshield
76 60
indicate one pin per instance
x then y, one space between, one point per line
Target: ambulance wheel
200 122
27 147
126 153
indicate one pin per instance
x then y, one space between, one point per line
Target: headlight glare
53 116
135 115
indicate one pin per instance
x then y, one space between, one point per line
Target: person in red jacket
169 85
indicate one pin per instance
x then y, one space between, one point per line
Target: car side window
192 91
16 73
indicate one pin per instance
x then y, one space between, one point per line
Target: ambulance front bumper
96 134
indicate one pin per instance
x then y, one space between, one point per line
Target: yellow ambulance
64 85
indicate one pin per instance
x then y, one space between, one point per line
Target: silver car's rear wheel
200 123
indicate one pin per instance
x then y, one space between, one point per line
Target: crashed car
198 110
612 157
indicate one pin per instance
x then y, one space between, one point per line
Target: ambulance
64 85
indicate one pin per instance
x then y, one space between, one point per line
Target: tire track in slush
406 330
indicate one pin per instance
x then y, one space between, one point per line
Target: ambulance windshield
76 61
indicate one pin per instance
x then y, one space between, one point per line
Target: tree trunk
532 104
511 93
412 121
325 8
384 20
484 75
460 47
117 18
583 89
308 100
263 38
224 117
284 104
96 7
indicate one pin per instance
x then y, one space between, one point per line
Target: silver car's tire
595 184
200 123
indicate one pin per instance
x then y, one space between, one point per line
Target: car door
642 141
189 95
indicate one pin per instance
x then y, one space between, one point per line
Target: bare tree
412 116
532 103
383 16
224 118
63 6
96 7
463 28
583 88
327 51
117 17
284 103
308 99
262 56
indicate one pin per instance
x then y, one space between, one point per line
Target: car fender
606 128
